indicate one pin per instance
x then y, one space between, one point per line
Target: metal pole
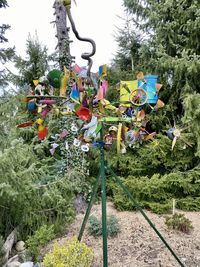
103 202
94 191
124 188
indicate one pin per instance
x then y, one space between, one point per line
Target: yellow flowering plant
70 254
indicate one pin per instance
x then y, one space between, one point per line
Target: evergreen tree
36 187
5 53
174 37
154 173
129 43
33 66
170 48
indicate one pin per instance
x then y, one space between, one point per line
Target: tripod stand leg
124 188
104 213
94 191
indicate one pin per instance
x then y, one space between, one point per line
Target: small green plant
179 222
95 226
41 237
113 226
71 254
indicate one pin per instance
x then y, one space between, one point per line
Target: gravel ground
137 245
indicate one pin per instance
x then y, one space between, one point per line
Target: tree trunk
65 58
11 239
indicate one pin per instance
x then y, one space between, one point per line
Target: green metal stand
101 178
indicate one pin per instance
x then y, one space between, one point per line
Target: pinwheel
131 95
176 133
87 104
138 97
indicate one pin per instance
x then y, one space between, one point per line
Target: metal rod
86 56
94 191
124 188
103 202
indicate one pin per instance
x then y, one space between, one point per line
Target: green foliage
158 191
189 203
168 46
71 254
26 200
151 158
33 66
36 188
6 54
113 226
173 41
128 56
40 238
179 222
167 53
95 226
158 207
2 252
154 174
115 75
192 114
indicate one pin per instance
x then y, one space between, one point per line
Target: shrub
179 222
73 254
113 226
95 226
41 237
156 192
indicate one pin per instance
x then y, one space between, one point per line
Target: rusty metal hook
85 56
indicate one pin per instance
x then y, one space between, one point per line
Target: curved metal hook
86 56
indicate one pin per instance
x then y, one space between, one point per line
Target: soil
137 245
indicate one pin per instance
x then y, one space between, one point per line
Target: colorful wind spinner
71 93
